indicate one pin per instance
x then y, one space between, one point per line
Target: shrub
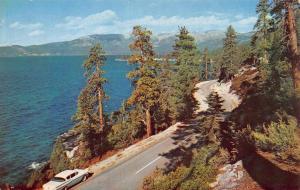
160 181
277 136
58 158
197 176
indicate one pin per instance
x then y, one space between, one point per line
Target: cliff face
245 81
71 150
76 147
64 150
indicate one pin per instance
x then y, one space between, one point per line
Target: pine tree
186 74
185 49
90 101
206 62
214 102
284 11
262 27
228 62
165 86
146 91
212 121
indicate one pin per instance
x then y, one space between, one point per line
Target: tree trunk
206 70
148 123
293 52
101 118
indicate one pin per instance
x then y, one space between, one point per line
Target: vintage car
66 179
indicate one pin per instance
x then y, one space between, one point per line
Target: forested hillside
265 126
114 44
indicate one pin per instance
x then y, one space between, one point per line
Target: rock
240 175
229 177
243 82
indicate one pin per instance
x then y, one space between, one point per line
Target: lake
38 96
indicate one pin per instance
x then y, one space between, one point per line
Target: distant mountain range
115 44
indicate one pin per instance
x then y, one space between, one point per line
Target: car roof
65 173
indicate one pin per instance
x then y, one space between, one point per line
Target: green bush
58 158
160 181
197 176
277 136
123 134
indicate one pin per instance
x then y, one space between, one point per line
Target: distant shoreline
56 56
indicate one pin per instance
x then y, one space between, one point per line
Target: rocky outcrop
70 141
234 177
64 155
244 82
229 177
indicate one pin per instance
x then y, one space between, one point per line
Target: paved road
231 100
130 174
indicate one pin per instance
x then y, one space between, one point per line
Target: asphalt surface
129 175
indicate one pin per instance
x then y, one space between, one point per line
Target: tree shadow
268 175
186 140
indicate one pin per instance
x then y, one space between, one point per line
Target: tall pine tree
144 77
262 38
284 11
262 27
211 122
185 49
90 101
228 63
186 74
206 62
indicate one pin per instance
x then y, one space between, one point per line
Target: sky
30 22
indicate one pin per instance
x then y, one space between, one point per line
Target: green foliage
186 74
91 141
273 93
159 181
58 158
206 65
230 52
277 136
88 100
185 49
260 40
197 176
211 122
215 103
126 129
38 177
121 135
144 76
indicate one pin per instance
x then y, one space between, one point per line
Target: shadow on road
185 139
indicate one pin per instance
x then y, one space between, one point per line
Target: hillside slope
114 44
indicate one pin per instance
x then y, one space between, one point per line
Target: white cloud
246 21
29 26
176 21
72 22
109 22
36 33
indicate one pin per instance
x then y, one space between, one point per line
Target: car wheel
84 178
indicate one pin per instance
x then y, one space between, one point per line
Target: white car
66 179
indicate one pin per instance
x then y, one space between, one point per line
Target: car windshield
58 179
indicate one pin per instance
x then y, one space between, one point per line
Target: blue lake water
37 100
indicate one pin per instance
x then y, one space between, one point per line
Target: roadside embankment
132 150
